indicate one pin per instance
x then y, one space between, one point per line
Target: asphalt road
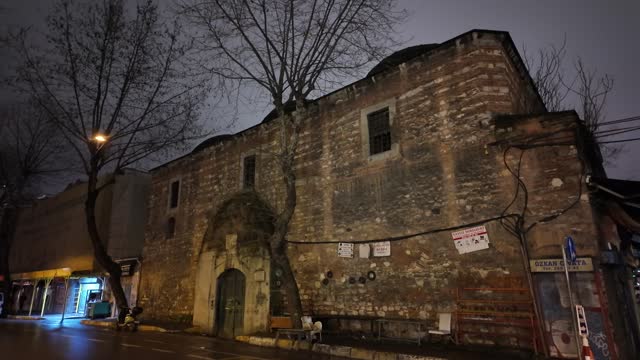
41 339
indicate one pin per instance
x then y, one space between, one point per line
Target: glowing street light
100 138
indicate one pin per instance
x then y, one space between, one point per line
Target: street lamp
100 138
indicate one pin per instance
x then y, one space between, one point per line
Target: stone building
51 259
407 197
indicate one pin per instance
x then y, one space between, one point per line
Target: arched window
171 228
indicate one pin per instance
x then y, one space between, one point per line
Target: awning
42 274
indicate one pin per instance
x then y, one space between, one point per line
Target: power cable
615 131
618 141
619 121
403 237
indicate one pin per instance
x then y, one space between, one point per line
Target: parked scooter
129 322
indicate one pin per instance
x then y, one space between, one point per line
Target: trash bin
98 310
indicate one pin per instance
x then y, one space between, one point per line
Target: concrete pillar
33 295
16 300
44 296
64 303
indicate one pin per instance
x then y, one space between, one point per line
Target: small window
175 194
249 178
171 228
379 131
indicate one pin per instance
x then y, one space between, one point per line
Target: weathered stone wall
442 172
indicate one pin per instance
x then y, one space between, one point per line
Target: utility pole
572 305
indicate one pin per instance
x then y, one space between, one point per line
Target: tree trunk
278 240
7 230
99 251
290 287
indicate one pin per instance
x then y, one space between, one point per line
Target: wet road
33 339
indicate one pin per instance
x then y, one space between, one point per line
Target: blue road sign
571 249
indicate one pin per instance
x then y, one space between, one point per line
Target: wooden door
230 309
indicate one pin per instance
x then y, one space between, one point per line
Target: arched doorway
230 304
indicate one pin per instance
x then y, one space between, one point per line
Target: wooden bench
281 322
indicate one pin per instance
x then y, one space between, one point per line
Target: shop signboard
582 264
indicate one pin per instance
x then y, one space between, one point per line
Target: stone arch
236 238
245 214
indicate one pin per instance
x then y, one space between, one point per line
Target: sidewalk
349 347
145 326
374 350
24 317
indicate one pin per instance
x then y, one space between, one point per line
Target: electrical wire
619 121
616 131
512 228
403 237
597 134
618 141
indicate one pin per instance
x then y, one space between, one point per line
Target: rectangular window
174 196
379 131
249 178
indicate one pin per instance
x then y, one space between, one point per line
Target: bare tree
546 70
592 91
112 80
30 151
578 88
290 49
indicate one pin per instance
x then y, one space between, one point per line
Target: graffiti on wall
558 318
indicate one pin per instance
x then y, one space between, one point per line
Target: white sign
364 250
382 248
583 330
345 250
471 239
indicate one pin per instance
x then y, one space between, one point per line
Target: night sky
603 33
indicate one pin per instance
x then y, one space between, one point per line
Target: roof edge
366 78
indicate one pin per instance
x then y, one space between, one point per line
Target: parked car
1 301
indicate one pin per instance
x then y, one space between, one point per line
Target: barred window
379 131
249 178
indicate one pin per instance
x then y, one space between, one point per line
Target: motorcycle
129 322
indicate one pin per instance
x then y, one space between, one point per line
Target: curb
332 350
111 324
24 317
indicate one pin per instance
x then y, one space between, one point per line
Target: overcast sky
603 33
